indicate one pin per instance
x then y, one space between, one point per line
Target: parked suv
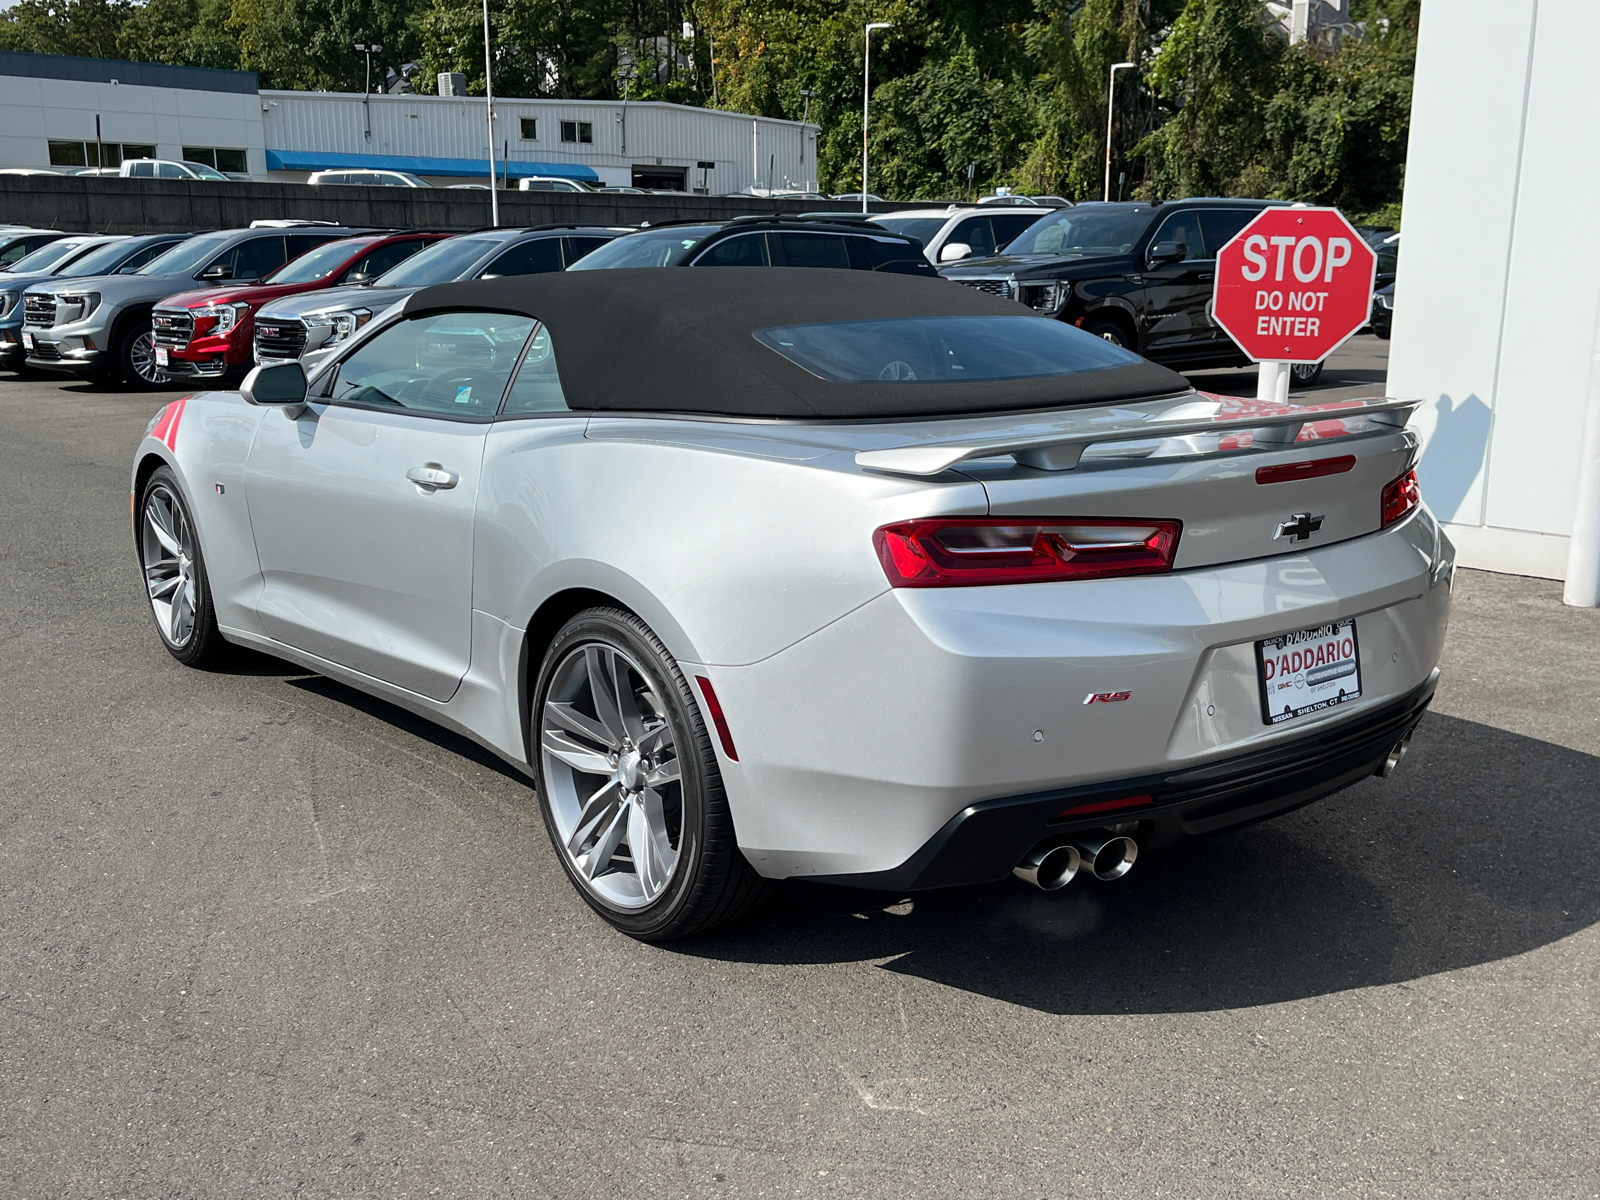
311 326
765 242
19 241
955 233
168 168
99 327
1140 275
69 258
209 333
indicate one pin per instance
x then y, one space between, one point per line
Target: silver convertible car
834 575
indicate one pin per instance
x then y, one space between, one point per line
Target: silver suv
99 327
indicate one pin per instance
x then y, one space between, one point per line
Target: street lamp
366 112
804 118
866 98
1111 95
488 93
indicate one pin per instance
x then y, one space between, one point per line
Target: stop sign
1293 284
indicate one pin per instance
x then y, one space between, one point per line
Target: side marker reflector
1100 806
714 707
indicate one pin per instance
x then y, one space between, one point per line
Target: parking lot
264 936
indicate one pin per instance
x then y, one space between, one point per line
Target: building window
220 157
87 154
577 131
530 129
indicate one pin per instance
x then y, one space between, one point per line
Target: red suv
207 334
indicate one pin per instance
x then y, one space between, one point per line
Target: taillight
1315 469
1400 496
978 551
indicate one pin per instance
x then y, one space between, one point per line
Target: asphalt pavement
261 936
1360 367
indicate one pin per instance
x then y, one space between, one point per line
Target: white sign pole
1272 382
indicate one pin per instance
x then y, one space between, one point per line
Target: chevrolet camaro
831 575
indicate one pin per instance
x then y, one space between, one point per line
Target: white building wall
456 127
1499 280
33 111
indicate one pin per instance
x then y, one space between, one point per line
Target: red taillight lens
1399 497
979 551
1315 469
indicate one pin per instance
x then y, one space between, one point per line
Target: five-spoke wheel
630 786
175 574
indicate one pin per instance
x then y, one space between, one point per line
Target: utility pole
366 112
1111 96
866 100
488 93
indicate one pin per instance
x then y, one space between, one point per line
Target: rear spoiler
1270 426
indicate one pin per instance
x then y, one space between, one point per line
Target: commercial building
1497 305
81 112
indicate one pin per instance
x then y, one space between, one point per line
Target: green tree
89 28
191 33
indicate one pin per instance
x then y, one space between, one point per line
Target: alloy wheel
612 773
142 358
166 551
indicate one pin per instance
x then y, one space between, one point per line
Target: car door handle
1205 275
432 475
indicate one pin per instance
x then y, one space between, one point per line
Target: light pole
488 93
804 117
1111 95
366 113
866 99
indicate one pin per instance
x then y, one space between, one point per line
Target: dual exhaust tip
1051 868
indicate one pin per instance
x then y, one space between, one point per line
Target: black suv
1140 275
828 240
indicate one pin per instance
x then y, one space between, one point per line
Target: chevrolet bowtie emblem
1298 528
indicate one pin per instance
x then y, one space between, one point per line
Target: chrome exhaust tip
1396 753
1049 868
1108 857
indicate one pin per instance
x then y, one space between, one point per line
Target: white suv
168 168
369 178
950 234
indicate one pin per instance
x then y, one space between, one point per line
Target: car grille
172 327
39 310
46 350
279 339
995 286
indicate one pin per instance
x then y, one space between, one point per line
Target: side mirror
357 278
1165 252
953 251
217 271
275 384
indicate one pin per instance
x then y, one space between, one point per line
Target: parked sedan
309 326
778 578
815 240
209 333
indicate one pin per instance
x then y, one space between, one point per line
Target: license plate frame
27 340
163 357
1308 670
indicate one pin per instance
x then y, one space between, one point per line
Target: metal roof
110 70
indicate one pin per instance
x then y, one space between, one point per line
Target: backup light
1400 497
982 551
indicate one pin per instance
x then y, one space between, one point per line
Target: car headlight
1048 298
226 316
347 322
84 302
1385 301
8 301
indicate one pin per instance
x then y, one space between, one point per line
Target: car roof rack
290 223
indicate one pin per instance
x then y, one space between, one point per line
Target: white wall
1499 283
33 111
456 127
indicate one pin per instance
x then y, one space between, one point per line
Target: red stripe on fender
174 414
163 420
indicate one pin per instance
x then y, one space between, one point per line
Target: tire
1111 332
176 585
136 361
1304 374
654 780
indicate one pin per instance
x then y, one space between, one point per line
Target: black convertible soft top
682 341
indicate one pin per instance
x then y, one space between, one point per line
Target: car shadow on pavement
1481 847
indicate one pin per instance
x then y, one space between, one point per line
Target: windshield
442 262
319 263
102 260
657 248
924 229
1111 229
47 258
187 256
943 349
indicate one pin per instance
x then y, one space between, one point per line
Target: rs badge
1105 697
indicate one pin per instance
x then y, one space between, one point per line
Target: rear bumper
984 841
